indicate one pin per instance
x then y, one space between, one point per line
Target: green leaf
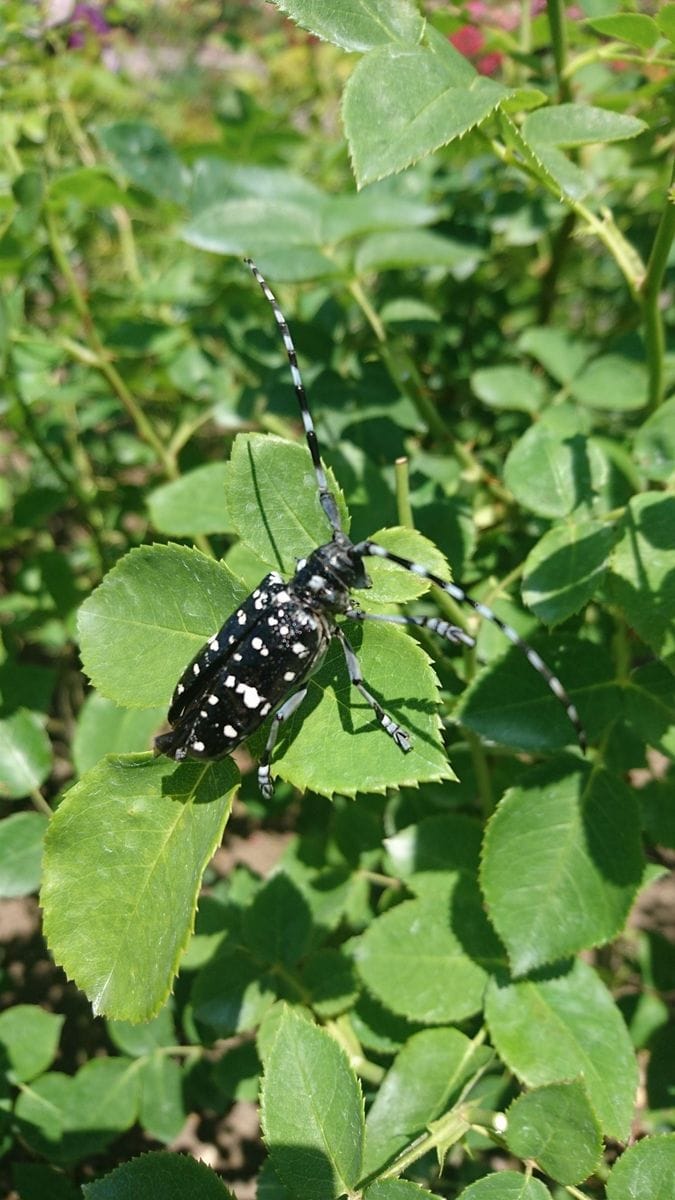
636 28
548 474
566 567
374 209
424 1080
646 1169
512 388
146 158
401 104
665 19
334 743
654 448
571 838
419 248
508 702
427 959
398 1189
193 504
358 24
578 125
278 924
391 583
162 1110
67 1118
564 1026
285 237
312 1111
274 502
230 994
330 981
506 1185
612 383
29 1038
236 1074
149 617
92 187
447 842
546 163
560 353
21 853
171 1176
124 858
105 728
35 1181
227 226
556 1126
650 706
25 754
641 580
137 1040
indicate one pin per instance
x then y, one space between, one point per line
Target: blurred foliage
493 304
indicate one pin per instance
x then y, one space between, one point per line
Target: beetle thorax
325 579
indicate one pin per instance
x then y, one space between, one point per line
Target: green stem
562 241
626 256
119 213
342 1032
90 512
610 50
446 1132
405 375
651 288
368 310
525 31
558 27
100 359
621 647
402 479
40 803
482 770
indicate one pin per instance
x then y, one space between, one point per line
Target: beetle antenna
328 501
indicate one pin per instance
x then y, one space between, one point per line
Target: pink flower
470 41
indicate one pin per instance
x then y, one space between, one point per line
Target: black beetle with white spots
262 658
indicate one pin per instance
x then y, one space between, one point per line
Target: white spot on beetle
230 681
256 642
213 699
214 644
230 731
289 676
195 668
299 649
252 699
198 746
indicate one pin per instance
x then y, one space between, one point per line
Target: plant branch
558 27
99 357
651 287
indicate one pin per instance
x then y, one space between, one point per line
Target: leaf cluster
441 975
